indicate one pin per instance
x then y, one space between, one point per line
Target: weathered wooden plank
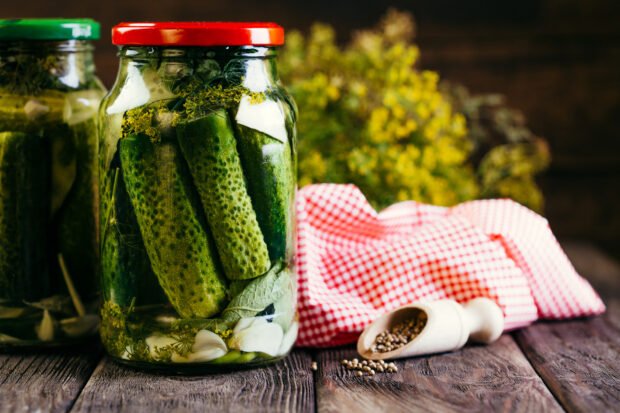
579 359
284 387
44 382
478 378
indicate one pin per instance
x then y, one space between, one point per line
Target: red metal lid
198 34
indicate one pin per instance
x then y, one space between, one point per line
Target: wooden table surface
550 366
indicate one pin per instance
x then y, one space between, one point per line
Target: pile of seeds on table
369 367
399 335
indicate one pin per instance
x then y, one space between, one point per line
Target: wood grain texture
44 382
478 378
283 387
579 360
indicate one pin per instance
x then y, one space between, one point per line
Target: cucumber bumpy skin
24 215
176 240
268 166
209 146
125 266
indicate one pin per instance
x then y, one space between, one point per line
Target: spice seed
399 335
368 367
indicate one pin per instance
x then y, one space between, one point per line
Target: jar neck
252 67
32 66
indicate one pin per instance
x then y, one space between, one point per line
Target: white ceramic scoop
448 327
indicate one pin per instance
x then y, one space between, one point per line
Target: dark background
556 60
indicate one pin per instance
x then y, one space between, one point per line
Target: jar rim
197 34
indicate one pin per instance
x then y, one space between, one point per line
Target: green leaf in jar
257 295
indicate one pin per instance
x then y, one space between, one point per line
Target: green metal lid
49 29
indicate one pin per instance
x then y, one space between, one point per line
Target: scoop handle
484 319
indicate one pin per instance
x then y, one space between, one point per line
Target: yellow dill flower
369 117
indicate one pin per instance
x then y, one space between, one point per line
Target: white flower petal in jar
260 336
207 340
288 341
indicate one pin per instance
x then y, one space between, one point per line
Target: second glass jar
197 185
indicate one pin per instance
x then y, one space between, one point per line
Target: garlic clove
246 323
206 340
200 356
45 330
176 358
207 346
80 326
261 336
127 353
288 341
206 355
156 342
35 109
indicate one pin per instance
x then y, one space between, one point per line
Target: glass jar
197 184
49 96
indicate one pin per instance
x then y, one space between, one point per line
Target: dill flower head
369 116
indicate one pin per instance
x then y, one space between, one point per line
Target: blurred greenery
369 116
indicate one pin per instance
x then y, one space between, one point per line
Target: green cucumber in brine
209 147
174 234
77 225
268 166
63 162
125 265
24 216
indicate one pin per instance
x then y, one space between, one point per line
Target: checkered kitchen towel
355 264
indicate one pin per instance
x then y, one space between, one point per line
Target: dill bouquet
370 117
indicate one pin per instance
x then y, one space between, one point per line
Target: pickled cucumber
77 226
269 171
125 266
174 234
64 164
24 216
209 147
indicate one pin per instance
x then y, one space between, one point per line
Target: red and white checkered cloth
355 264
